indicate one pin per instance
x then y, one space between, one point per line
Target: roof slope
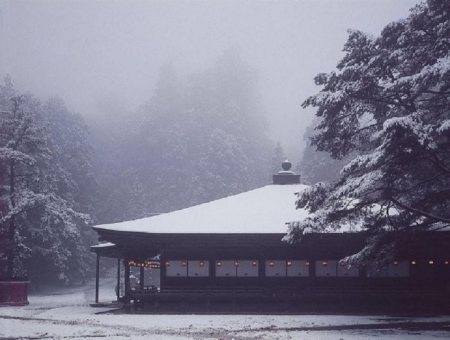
261 211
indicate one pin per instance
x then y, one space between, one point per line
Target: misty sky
82 50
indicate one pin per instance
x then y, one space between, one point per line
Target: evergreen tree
118 152
388 103
230 129
38 195
208 140
192 142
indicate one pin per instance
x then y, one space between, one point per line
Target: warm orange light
289 263
154 265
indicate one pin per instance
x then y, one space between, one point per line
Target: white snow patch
67 314
103 245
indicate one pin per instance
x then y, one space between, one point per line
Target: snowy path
66 314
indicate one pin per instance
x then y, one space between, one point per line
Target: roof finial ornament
286 176
286 165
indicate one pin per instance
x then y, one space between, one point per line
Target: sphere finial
286 165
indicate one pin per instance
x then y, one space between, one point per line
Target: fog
82 50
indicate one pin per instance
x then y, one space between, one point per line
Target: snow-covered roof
261 211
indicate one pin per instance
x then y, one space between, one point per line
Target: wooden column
97 278
118 279
127 280
162 269
141 278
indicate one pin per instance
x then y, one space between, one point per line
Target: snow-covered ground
66 314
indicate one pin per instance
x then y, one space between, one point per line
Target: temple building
229 255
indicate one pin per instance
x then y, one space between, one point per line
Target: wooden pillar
127 280
97 278
118 279
141 278
162 269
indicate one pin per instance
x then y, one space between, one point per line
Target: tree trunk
12 228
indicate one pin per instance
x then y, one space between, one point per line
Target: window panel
276 268
225 268
398 269
176 268
199 268
297 268
248 268
326 268
344 271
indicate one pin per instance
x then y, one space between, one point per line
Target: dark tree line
195 140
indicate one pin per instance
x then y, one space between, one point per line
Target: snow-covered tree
388 102
229 128
37 191
113 136
21 148
70 178
193 141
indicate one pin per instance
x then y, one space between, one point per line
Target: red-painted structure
14 293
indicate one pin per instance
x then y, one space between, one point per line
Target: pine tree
388 103
192 142
37 195
119 152
229 127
